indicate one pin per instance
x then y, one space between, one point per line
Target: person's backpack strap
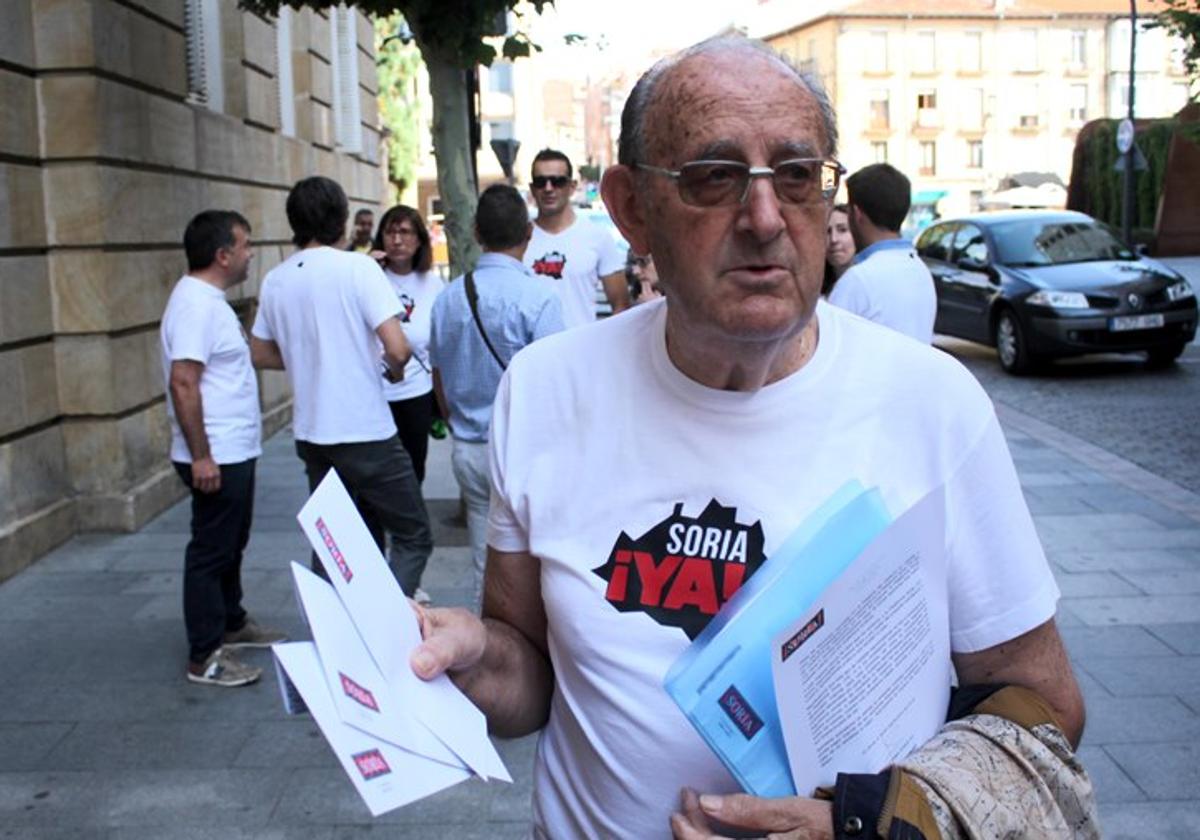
473 300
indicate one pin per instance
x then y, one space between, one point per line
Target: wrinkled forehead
722 103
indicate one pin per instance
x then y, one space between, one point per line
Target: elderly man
740 403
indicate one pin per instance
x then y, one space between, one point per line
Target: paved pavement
101 737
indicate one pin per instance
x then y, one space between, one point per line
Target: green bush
1104 184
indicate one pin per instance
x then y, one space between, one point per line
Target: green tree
1182 19
450 35
398 63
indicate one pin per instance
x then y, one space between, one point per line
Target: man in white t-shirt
322 315
886 282
735 406
216 438
571 251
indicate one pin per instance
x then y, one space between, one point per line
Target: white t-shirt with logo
417 291
601 449
890 287
322 307
575 260
199 325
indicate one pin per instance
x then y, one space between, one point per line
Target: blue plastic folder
723 681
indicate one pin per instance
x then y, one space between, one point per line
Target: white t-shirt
890 287
322 307
199 325
575 260
600 445
417 291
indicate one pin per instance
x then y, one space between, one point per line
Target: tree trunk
452 149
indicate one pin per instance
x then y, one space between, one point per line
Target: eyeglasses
721 183
539 182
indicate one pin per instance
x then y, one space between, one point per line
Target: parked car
1043 284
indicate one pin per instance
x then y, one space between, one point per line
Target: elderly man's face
749 272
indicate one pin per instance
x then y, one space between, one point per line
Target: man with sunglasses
886 283
643 469
574 253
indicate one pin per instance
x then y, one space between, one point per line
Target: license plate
1135 322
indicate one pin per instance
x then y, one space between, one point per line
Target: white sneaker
422 597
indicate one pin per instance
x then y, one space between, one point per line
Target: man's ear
475 231
619 192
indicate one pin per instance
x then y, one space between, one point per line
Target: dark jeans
379 477
212 570
412 418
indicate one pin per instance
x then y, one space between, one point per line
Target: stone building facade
119 120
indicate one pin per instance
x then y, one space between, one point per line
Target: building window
1027 106
1078 104
879 151
347 107
976 200
1026 52
284 81
928 157
1078 49
926 51
500 78
972 109
880 117
975 154
202 24
927 115
971 58
877 57
500 129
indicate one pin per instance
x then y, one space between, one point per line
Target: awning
928 196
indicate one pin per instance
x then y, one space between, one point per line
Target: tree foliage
1182 19
398 65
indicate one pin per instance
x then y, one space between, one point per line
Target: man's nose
761 213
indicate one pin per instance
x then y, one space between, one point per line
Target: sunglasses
720 183
539 182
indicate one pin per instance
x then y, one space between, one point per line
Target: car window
969 245
934 243
1032 242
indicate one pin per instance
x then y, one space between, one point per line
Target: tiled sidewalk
101 737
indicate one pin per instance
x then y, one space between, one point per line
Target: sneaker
422 597
251 635
438 429
221 668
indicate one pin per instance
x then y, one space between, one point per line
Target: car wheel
1011 344
1161 357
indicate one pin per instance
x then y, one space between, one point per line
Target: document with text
863 676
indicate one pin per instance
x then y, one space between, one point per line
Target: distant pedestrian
323 313
479 324
573 252
360 239
216 438
886 282
839 247
402 246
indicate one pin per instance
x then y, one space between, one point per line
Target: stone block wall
103 160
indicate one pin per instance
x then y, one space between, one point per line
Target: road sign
1124 135
1139 161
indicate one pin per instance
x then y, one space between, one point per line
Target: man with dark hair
573 252
512 307
216 438
886 282
322 315
363 230
733 409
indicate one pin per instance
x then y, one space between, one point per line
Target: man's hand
786 818
206 475
454 640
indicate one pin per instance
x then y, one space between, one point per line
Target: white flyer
385 776
863 677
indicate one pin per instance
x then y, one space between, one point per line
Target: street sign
1124 135
1139 161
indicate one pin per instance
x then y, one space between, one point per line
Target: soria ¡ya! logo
371 764
334 551
684 569
357 693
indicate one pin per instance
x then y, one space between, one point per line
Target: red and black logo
407 305
357 693
371 764
683 569
334 552
550 265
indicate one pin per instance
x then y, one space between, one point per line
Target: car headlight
1059 300
1180 291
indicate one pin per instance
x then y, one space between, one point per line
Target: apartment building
119 120
961 94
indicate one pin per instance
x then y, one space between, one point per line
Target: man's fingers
454 639
783 814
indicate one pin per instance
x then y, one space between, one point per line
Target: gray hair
631 147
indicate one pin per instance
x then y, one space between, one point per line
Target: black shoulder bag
473 300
